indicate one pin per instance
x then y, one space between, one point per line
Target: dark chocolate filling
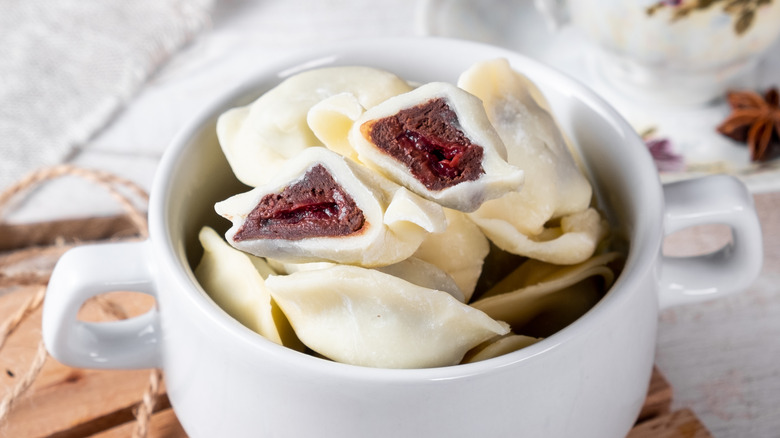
314 206
426 138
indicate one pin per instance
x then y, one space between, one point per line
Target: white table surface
722 357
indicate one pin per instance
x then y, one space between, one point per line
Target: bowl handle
719 199
90 270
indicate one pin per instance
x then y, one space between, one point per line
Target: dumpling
323 207
534 272
570 240
425 274
365 317
531 288
413 270
499 346
331 119
235 281
258 138
554 186
460 251
438 142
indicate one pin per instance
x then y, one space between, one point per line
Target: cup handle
555 12
82 273
719 199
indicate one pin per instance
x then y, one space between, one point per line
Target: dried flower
666 160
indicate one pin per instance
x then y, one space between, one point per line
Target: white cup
686 52
588 380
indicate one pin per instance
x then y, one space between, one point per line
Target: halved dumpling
323 207
235 281
365 317
438 142
258 138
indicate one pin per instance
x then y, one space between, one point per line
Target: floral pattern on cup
744 11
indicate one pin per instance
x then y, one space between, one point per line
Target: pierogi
236 282
376 205
459 250
555 188
258 138
366 317
533 287
413 270
498 346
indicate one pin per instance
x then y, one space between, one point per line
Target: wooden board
64 402
655 420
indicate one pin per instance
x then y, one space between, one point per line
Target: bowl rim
640 259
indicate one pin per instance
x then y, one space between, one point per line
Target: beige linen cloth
68 66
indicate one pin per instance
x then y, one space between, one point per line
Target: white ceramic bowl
588 380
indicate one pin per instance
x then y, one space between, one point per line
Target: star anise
754 120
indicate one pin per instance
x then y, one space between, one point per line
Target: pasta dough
346 214
438 142
364 317
258 138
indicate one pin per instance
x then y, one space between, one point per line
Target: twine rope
111 183
7 403
145 410
104 179
12 323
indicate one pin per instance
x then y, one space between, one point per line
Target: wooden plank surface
655 421
679 424
65 401
659 397
722 356
17 236
163 425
